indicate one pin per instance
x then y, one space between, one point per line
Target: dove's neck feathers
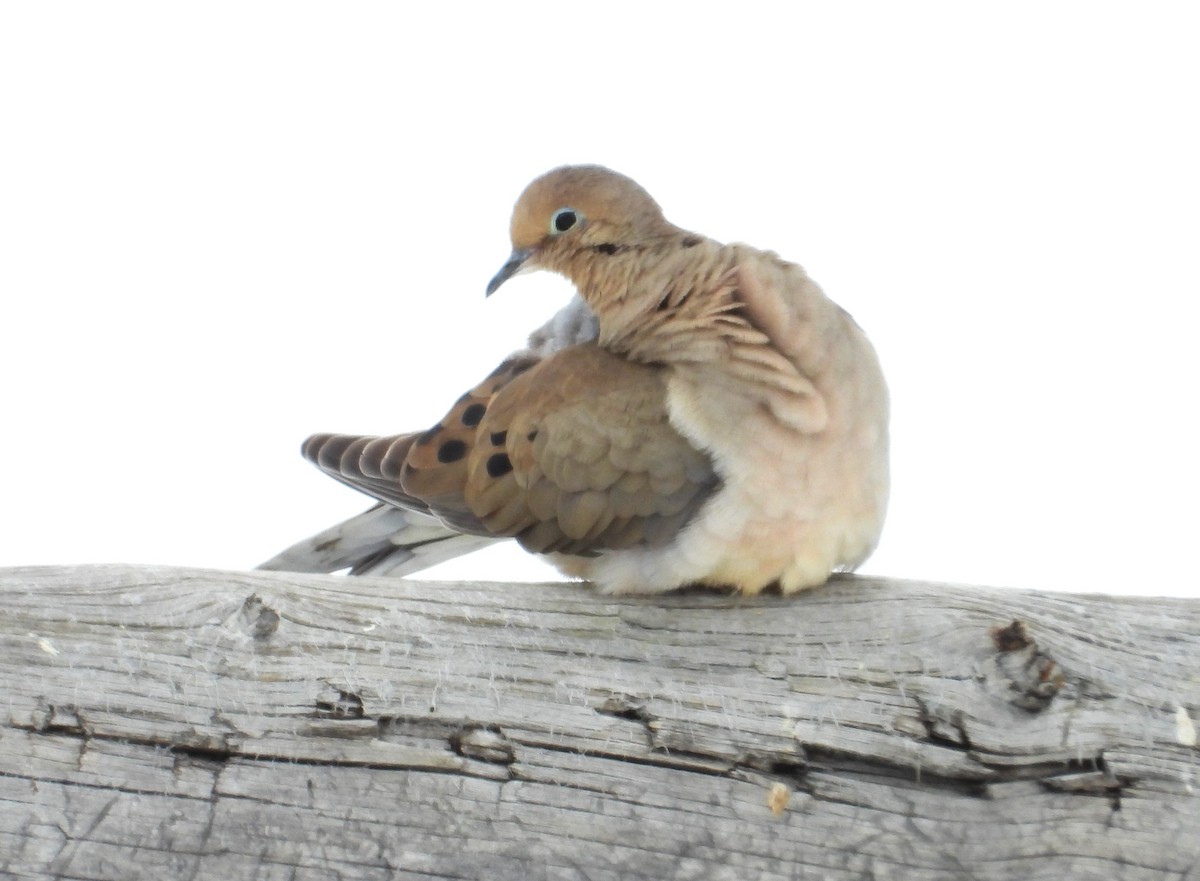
721 315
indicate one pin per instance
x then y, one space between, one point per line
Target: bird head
576 211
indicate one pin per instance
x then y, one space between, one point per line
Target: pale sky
224 226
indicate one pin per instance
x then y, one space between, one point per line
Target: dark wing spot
473 414
498 438
690 242
452 451
520 367
498 464
427 436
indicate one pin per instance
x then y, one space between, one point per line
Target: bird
700 414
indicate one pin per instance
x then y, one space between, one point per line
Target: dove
702 414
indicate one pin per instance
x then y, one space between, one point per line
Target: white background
226 225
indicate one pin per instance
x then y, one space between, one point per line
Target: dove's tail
380 541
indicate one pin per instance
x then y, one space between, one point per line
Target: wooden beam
184 723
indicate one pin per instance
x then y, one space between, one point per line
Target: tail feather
380 541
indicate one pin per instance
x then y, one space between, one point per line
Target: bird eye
562 220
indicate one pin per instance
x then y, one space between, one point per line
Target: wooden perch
167 723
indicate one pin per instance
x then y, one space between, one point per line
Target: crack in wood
205 754
624 706
58 719
948 733
486 743
337 703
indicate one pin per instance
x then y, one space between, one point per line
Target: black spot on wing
452 451
498 464
473 414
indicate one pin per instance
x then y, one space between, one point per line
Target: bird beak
516 262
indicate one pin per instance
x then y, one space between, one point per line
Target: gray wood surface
181 723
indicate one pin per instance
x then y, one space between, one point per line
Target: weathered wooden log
179 723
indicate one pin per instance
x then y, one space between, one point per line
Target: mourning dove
704 415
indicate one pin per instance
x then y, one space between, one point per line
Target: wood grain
183 723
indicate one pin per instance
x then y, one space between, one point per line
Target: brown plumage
727 425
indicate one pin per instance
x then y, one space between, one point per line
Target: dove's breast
793 506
